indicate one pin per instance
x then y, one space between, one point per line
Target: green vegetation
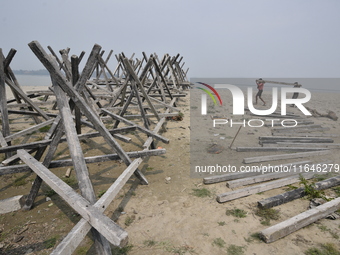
325 229
122 251
50 192
149 243
221 223
101 193
219 242
235 250
72 182
180 250
45 129
310 190
290 187
19 182
267 215
337 191
201 192
49 243
325 249
129 220
238 213
322 177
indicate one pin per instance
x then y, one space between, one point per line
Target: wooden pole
299 221
235 136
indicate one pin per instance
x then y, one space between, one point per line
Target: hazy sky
217 38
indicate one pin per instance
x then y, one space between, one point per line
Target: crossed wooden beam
71 92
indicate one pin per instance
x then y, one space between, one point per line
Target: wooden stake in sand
235 136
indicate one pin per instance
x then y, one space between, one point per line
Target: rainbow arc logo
209 90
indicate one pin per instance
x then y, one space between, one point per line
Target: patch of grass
82 250
49 243
325 229
219 242
129 220
337 191
3 236
322 177
45 129
50 192
149 168
310 190
180 250
201 192
149 243
132 193
325 249
290 187
122 251
19 182
221 223
256 236
72 182
253 237
267 215
238 213
101 193
235 250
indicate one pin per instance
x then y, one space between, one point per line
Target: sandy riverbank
166 217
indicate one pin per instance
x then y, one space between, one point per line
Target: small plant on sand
221 223
325 229
129 220
45 129
219 242
201 192
310 190
337 191
149 243
253 237
238 213
325 249
19 182
50 192
49 243
267 215
72 182
101 193
235 250
122 251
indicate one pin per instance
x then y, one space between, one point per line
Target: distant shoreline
42 72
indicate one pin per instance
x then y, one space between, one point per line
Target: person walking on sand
260 85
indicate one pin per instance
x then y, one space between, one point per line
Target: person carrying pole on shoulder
260 85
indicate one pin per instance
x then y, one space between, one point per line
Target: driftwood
329 114
228 196
299 221
297 193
